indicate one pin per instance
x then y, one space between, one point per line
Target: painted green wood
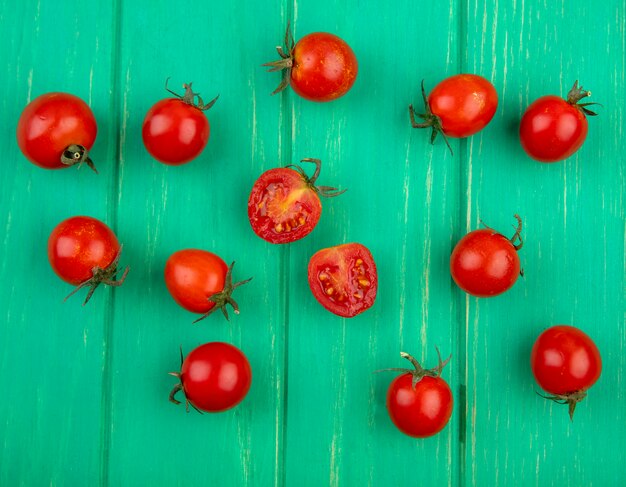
395 206
200 205
87 387
51 353
574 250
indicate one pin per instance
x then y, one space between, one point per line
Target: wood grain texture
87 386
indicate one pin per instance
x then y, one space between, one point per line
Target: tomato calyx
517 236
77 155
576 94
418 372
326 191
179 387
189 97
570 399
102 276
430 120
224 297
285 62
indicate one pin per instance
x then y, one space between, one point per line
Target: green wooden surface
86 388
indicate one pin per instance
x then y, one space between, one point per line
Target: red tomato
565 363
419 402
214 377
284 203
485 263
175 130
458 107
319 67
343 279
84 252
552 128
200 282
56 130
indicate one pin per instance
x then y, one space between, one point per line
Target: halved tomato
344 279
284 203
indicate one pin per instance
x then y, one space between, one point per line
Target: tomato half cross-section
566 363
343 279
176 130
319 67
419 401
85 252
201 282
485 263
284 204
214 377
553 129
57 130
459 106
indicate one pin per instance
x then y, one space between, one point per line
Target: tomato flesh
344 279
565 360
464 103
484 263
79 244
175 132
282 207
324 67
50 124
421 411
192 276
552 129
216 376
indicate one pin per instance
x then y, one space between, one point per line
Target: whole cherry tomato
565 363
85 252
343 279
485 263
201 282
175 130
419 401
459 106
319 67
214 377
56 130
552 128
284 203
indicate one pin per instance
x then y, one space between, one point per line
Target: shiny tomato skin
192 276
421 411
344 279
484 263
465 104
216 376
51 123
324 67
283 207
175 132
552 129
79 244
565 360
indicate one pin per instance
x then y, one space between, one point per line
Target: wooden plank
51 353
198 205
574 251
401 203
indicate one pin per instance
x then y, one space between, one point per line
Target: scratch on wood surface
29 83
451 41
253 129
123 129
405 218
338 413
426 254
474 374
90 96
564 198
245 443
